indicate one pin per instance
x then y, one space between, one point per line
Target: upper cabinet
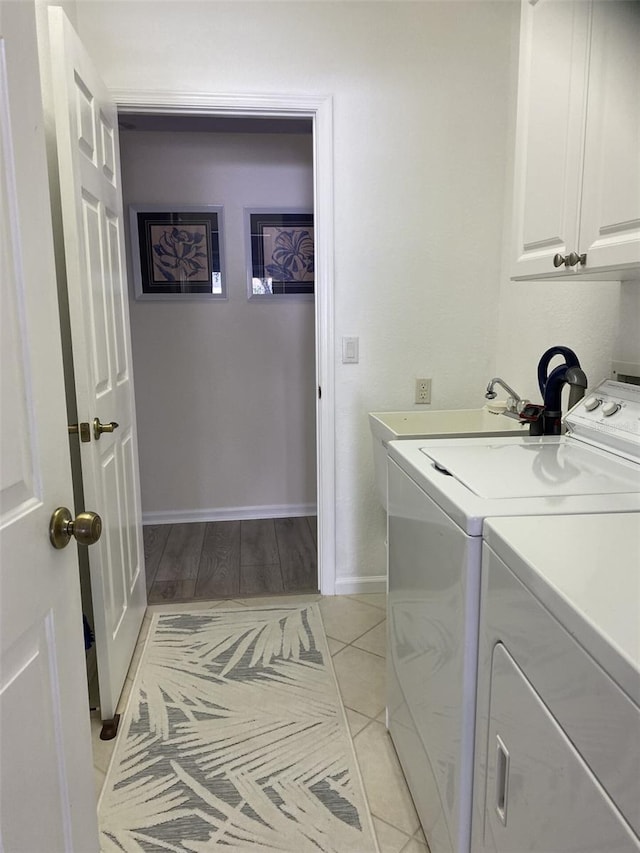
577 166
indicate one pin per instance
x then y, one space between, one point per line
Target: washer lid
504 469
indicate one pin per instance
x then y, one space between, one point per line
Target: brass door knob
99 428
86 527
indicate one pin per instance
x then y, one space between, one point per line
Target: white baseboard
358 586
234 513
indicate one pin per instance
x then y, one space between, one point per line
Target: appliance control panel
609 417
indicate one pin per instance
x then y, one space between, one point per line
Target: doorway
316 114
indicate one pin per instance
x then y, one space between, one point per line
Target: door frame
320 110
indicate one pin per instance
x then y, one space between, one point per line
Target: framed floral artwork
177 252
280 253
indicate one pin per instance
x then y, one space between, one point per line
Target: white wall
627 343
423 99
420 115
225 390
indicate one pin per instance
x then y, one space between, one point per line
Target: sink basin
454 423
390 426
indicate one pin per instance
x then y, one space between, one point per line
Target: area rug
235 738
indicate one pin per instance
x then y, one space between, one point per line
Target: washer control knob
591 403
610 408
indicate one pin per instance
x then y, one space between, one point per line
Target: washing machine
557 756
439 494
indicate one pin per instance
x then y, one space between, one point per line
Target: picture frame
280 253
177 252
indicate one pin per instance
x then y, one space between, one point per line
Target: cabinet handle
569 260
502 780
573 258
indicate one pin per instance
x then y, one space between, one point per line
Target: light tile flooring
355 627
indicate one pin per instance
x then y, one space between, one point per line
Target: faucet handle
516 405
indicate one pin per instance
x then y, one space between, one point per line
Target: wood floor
227 559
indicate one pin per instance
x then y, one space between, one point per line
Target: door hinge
319 393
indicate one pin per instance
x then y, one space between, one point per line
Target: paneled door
47 799
91 200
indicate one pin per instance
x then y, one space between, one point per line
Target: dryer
557 763
439 494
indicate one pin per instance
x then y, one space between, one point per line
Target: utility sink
390 426
454 423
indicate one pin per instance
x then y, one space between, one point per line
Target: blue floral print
181 255
292 255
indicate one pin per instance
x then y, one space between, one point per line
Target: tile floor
355 628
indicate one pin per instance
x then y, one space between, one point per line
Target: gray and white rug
235 738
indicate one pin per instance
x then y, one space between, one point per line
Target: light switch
350 350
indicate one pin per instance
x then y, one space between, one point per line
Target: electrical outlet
423 391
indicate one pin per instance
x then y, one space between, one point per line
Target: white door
47 799
91 199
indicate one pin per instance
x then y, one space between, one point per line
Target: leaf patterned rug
235 738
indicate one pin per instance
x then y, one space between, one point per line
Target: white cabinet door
610 216
89 168
550 131
541 796
47 798
577 168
